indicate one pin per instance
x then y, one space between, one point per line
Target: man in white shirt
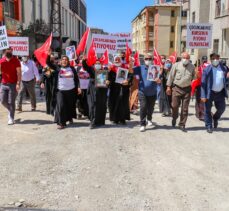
29 72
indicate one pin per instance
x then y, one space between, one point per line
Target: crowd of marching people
72 91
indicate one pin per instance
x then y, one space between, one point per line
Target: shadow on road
35 122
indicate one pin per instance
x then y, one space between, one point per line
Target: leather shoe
209 130
215 123
174 123
183 129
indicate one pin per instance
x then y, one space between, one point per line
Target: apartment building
160 26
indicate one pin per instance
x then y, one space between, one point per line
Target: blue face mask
168 65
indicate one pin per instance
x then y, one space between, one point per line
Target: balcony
221 13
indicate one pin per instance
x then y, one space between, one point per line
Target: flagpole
86 41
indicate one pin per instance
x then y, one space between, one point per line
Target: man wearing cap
10 71
147 93
179 86
213 89
29 72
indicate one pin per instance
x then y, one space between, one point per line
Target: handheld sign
199 35
121 75
100 78
4 44
20 45
71 52
153 72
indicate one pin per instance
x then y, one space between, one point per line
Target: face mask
118 64
168 66
163 60
98 67
185 61
9 55
24 59
215 62
148 63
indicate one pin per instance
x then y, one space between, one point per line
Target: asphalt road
113 167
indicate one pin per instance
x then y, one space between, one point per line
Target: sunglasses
148 59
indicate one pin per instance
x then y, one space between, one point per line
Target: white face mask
24 59
98 67
148 63
118 64
215 62
185 61
163 60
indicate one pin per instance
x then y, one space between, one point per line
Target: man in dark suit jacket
213 89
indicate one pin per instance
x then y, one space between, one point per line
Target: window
172 13
9 8
171 44
184 14
218 8
216 46
193 17
172 29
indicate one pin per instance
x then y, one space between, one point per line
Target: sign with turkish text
122 39
4 44
20 45
199 35
103 42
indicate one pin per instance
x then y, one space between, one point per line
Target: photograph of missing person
121 75
71 52
100 78
153 73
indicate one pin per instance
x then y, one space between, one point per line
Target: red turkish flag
136 59
92 57
128 53
42 52
156 58
83 42
105 58
173 57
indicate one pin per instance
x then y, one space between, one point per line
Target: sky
114 15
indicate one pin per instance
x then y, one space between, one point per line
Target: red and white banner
122 39
103 42
199 35
20 45
4 44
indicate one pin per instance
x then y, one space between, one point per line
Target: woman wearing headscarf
165 100
83 75
96 96
67 88
119 93
48 84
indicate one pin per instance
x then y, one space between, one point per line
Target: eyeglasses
148 59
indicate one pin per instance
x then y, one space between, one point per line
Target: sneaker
209 130
142 129
149 123
10 120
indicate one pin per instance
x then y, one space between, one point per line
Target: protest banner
4 44
122 39
103 42
20 45
199 35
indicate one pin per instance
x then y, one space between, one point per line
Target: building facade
73 16
160 26
215 12
11 16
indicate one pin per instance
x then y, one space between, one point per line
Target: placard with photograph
71 52
100 78
121 75
153 72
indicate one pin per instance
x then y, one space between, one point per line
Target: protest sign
71 52
103 42
199 35
20 45
4 44
122 39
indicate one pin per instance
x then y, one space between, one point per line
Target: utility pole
180 29
55 21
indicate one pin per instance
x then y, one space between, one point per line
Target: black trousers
147 104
